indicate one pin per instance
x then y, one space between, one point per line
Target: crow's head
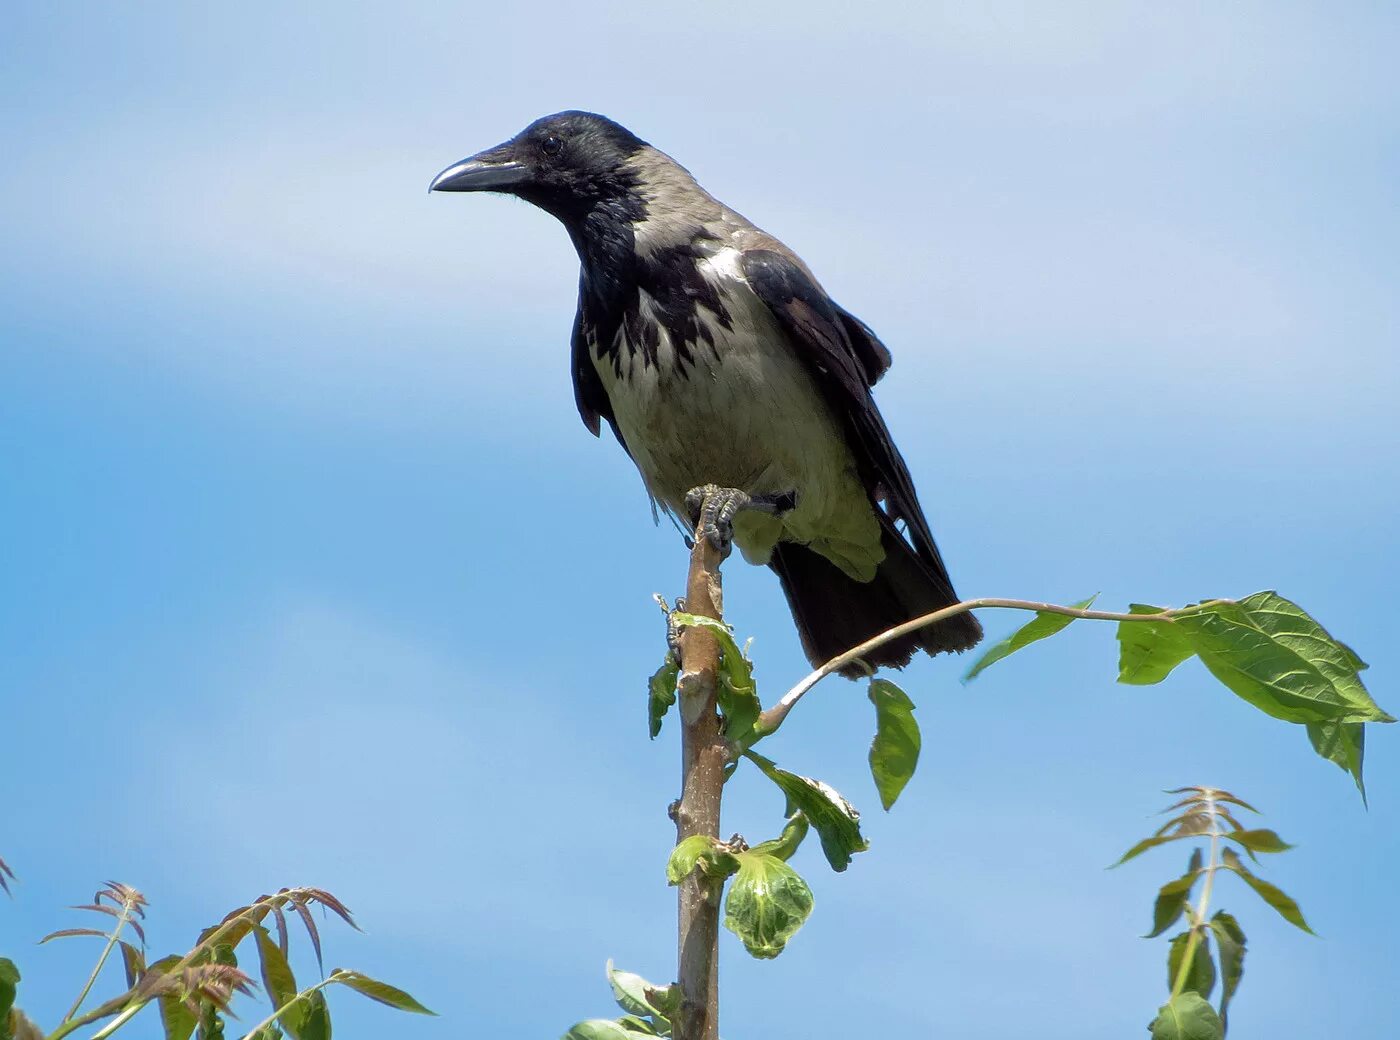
567 164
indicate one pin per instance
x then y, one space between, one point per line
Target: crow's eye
551 145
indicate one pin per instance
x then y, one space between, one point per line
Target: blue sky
312 575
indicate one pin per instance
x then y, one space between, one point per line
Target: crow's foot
713 508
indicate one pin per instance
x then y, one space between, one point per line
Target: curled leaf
894 753
835 819
767 903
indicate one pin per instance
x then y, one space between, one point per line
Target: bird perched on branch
738 387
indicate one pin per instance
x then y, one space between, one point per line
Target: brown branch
703 757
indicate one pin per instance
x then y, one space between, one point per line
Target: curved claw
713 509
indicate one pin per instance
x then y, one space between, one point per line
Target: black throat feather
614 275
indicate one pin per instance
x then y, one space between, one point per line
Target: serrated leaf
1288 677
767 903
735 690
1260 840
1173 896
604 1029
1148 651
1200 977
1270 893
1292 626
278 980
703 851
1230 942
380 991
1342 743
835 819
662 693
894 753
1042 626
1187 1017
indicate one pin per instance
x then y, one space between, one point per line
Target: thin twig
772 718
128 907
1198 914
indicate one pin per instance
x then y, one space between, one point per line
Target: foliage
1263 648
193 991
1207 814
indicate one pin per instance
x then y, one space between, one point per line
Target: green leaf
1148 651
662 692
836 820
1149 843
1200 977
1258 840
767 903
133 962
380 991
735 690
1256 651
1172 897
637 996
177 1021
1187 1017
1230 941
315 1017
786 843
894 753
1343 743
1271 894
1042 626
278 981
1292 626
603 1029
703 851
13 1023
9 983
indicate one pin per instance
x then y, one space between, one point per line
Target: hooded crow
720 363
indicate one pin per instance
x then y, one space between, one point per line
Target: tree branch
772 718
703 757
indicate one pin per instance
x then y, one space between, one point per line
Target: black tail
834 612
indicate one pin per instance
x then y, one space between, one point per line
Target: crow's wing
589 395
845 360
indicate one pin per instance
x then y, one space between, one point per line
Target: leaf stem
128 1013
100 1012
335 976
772 718
1183 972
122 919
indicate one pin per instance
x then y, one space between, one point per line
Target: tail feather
834 612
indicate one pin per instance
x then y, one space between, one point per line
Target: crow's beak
486 171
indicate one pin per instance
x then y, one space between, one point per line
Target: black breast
614 277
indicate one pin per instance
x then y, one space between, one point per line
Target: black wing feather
846 359
589 395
